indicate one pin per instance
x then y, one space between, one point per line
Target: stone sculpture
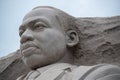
50 43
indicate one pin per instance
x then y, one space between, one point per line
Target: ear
72 38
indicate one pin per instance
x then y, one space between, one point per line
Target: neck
68 58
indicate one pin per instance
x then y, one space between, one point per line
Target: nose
26 36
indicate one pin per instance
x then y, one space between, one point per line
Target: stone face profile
58 46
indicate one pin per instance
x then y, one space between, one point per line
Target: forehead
41 12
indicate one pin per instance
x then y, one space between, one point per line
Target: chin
34 62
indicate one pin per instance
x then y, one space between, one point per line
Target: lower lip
28 51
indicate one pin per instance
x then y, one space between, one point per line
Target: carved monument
52 47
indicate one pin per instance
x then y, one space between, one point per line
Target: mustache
27 45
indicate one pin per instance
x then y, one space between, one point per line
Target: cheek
51 41
50 36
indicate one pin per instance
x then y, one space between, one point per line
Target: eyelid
21 31
39 26
40 23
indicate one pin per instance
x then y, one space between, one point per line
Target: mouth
28 49
27 45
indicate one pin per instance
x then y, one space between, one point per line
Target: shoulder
21 77
97 72
26 76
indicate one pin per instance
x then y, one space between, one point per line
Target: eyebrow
33 21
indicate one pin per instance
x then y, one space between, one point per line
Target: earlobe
72 38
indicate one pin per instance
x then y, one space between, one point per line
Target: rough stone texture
11 66
100 43
100 40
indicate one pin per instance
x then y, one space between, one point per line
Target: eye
39 26
21 32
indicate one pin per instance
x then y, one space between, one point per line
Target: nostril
25 39
26 36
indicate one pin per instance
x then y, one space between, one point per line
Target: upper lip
27 45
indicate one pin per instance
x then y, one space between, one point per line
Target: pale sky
13 11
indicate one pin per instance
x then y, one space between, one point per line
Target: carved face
42 39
